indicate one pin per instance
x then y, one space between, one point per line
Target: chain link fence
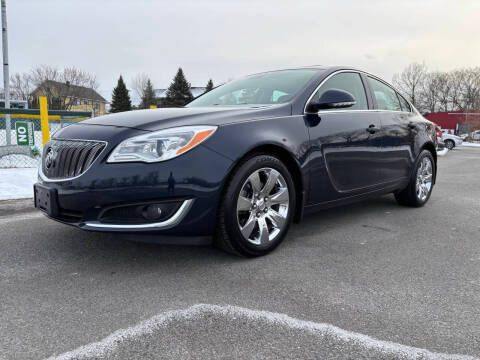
14 155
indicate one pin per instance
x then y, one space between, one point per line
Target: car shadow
351 211
76 245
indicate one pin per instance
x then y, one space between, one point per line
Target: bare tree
471 88
456 89
444 89
63 88
138 85
21 87
409 81
78 77
430 92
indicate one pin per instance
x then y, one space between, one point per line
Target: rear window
385 96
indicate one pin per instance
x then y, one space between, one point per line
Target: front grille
63 159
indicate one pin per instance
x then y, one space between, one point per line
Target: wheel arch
431 147
292 165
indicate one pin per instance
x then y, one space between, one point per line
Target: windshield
268 88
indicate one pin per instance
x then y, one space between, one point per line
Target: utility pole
6 76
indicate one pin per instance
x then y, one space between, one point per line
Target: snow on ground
465 143
442 152
17 183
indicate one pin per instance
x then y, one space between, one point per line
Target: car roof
324 68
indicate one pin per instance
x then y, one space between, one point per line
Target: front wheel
449 144
257 207
420 187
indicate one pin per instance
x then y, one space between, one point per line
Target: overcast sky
224 39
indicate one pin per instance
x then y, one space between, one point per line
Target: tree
409 82
471 89
430 92
148 97
139 82
444 85
209 86
61 87
178 93
120 97
21 87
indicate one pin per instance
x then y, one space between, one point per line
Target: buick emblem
50 158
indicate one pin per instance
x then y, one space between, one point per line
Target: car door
344 143
398 129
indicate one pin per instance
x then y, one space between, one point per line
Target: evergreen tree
178 94
120 98
148 97
209 86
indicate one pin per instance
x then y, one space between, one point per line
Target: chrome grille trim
71 158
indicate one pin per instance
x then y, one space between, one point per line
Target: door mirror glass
331 99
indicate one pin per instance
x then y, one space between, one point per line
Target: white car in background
451 140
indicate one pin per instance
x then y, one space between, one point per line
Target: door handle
372 129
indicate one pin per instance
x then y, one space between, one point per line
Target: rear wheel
257 207
420 186
449 144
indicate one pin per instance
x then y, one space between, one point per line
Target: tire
253 226
417 195
449 144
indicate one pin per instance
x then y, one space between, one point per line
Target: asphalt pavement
369 280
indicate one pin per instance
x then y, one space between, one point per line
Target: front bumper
194 180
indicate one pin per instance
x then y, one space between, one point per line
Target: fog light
140 213
153 212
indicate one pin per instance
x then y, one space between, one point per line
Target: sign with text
25 133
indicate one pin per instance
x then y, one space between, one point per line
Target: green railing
37 126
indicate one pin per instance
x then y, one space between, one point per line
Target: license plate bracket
45 199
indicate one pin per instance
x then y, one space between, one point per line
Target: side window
404 103
350 82
386 97
279 96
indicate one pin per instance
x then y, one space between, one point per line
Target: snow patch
442 152
17 183
107 345
470 144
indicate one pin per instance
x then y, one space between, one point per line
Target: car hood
157 119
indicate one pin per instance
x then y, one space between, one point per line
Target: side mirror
331 99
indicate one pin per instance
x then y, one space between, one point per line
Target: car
451 140
476 135
242 162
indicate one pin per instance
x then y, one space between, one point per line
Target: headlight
161 145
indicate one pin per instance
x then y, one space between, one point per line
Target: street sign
25 133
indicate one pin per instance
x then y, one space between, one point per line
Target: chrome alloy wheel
262 206
424 179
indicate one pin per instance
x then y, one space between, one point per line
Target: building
64 96
161 94
458 121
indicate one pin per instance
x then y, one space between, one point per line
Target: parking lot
370 280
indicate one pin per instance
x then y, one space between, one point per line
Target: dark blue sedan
240 163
